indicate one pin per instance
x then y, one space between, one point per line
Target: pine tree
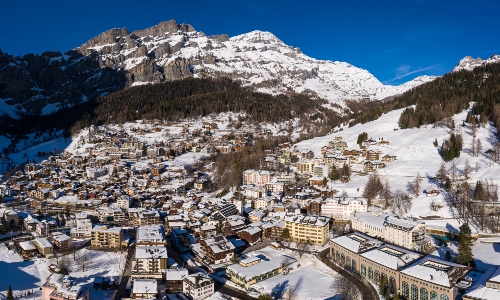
479 192
285 234
396 296
464 252
383 286
447 255
9 294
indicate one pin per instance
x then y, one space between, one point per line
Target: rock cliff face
118 59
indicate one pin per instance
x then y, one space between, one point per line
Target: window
443 297
433 296
363 272
342 259
423 294
370 273
348 261
377 276
414 292
392 284
354 265
338 255
405 291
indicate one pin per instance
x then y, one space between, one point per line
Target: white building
198 286
343 208
94 173
262 203
145 289
153 234
124 202
401 231
320 171
255 192
83 229
150 262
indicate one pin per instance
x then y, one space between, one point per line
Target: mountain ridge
117 59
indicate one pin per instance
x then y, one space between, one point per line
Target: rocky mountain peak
469 63
163 28
257 36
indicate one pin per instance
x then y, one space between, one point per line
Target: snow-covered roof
176 274
263 267
391 256
435 270
153 232
148 252
145 286
309 220
356 242
480 290
27 246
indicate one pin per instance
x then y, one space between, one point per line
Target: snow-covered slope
469 63
259 59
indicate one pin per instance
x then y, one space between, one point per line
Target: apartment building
153 234
145 217
63 287
61 241
198 286
313 229
83 229
341 208
150 262
217 249
109 215
106 237
257 177
306 166
401 231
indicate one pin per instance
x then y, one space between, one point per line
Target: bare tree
386 195
473 146
401 203
303 246
292 291
83 259
441 174
479 147
433 205
453 170
345 287
285 261
467 169
416 183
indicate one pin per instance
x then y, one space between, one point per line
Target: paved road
121 293
366 289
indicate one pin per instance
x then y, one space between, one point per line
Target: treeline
191 98
439 99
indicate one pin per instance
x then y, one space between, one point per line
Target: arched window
443 297
404 289
354 265
433 295
392 284
370 273
423 294
363 272
348 261
377 276
338 256
342 259
414 292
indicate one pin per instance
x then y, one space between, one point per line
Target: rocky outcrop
177 69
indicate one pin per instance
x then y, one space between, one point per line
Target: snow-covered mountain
469 63
118 59
259 59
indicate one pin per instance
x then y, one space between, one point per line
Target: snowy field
29 275
313 277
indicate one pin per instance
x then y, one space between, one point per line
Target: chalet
217 249
250 234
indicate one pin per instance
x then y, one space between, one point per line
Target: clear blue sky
395 40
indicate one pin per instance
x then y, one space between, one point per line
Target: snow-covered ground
415 154
314 277
29 275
